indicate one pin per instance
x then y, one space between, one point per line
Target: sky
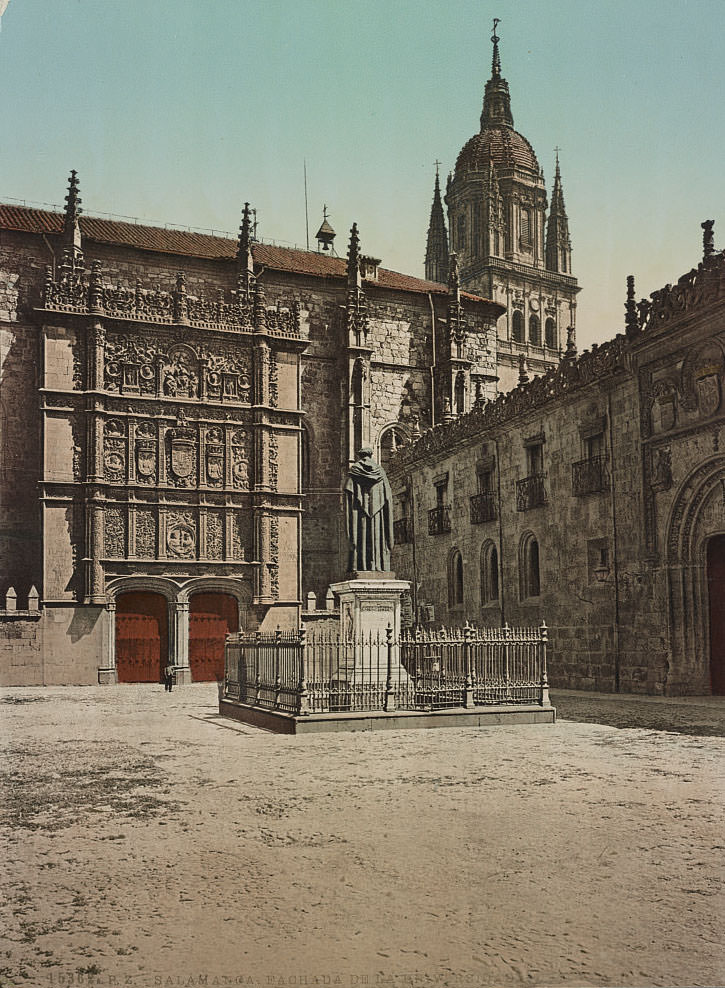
179 111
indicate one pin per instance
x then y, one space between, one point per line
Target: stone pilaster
107 673
179 640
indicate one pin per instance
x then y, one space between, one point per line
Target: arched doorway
212 616
142 637
716 595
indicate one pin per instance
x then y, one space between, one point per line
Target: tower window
534 330
550 333
526 229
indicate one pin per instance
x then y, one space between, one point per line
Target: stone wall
632 474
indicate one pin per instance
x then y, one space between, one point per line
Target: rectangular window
535 459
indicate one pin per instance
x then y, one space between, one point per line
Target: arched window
391 439
550 333
455 579
534 330
529 578
489 572
517 326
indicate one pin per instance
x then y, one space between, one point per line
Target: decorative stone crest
181 535
215 456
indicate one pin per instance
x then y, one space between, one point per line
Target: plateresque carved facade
592 497
178 415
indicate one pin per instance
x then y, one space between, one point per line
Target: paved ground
148 842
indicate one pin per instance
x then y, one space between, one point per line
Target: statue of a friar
369 514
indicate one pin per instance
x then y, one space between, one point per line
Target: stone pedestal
369 606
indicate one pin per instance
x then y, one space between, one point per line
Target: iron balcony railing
589 476
483 507
439 520
401 531
423 670
530 492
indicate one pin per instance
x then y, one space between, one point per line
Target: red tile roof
186 243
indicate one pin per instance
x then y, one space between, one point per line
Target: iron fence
423 670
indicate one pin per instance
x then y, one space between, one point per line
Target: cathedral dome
501 146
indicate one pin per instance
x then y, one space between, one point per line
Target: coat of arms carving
708 393
145 457
215 462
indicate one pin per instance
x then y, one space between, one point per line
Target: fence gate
212 616
141 637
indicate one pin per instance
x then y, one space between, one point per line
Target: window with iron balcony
439 518
483 502
530 490
589 475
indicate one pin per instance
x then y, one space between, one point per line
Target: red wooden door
212 616
141 637
716 592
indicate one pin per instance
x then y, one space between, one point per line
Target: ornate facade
178 414
507 248
591 497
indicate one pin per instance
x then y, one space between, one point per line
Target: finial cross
437 163
496 22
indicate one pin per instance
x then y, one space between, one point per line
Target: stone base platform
379 720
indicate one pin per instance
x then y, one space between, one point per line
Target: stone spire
496 99
558 244
436 251
631 320
245 261
354 275
71 225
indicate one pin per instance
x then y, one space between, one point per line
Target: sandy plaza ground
147 841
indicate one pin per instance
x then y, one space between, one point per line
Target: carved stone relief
146 533
146 452
114 452
215 535
240 459
181 534
115 532
181 457
215 457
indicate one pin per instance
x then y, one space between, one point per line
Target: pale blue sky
179 110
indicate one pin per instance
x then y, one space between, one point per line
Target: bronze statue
369 514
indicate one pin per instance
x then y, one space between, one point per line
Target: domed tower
497 225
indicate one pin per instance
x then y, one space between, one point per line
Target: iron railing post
506 674
544 633
277 655
257 677
468 694
389 691
303 698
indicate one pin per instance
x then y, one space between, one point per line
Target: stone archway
696 520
